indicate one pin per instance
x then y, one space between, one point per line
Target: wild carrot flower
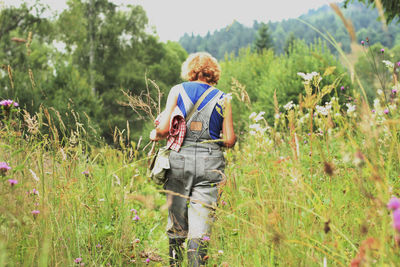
78 260
12 182
394 203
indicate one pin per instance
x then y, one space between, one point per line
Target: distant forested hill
235 36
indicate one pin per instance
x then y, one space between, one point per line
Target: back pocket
177 165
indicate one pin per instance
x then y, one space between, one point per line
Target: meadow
311 189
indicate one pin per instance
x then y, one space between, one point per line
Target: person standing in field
197 122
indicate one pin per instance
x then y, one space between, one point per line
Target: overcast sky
173 18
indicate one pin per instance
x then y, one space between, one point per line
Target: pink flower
8 103
35 212
394 203
78 260
136 218
85 173
382 50
396 219
4 167
342 88
362 42
147 260
206 238
12 182
398 64
98 246
373 111
137 240
386 111
133 210
394 91
223 203
35 192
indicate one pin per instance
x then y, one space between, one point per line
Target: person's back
197 165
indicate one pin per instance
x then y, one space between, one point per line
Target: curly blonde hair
201 66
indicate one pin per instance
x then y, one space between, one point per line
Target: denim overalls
196 171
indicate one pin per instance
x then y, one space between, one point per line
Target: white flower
350 108
220 252
252 115
252 132
308 76
34 176
289 105
379 92
259 116
388 64
277 116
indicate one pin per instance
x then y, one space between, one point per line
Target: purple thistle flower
98 246
342 88
4 167
386 111
382 50
86 173
396 219
78 260
362 42
398 64
35 212
12 182
8 103
147 260
394 91
136 218
206 238
394 203
35 192
373 111
133 210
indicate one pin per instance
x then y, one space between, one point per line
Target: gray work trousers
194 179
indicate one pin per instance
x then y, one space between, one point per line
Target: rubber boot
196 252
176 251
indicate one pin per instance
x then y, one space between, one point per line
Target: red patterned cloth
177 129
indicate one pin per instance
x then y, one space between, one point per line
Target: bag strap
196 106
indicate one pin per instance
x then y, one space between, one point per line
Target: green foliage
263 74
232 38
391 7
263 39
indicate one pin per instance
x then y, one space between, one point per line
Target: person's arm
162 129
228 134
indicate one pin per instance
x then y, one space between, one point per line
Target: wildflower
379 92
4 168
394 203
373 111
398 64
86 173
252 115
133 210
99 246
309 76
342 88
8 103
206 238
350 108
289 105
386 111
259 116
147 260
388 64
277 116
362 43
78 260
136 218
394 91
396 219
137 240
382 50
34 192
220 252
223 203
12 182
